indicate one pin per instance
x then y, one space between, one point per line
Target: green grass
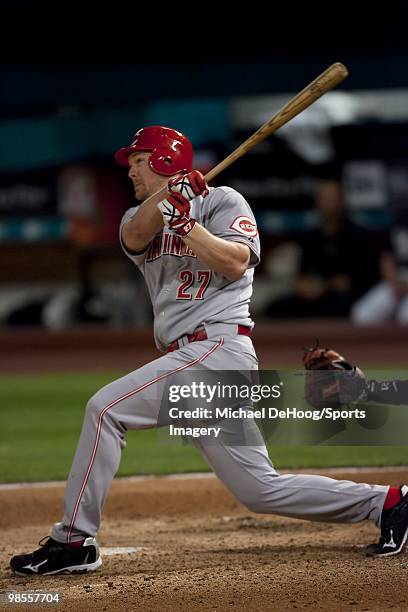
41 417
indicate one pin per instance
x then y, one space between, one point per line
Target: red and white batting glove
175 210
190 185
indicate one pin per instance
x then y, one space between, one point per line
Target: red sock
75 544
393 497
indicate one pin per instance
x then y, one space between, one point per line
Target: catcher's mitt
330 380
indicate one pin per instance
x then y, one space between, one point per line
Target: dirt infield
202 550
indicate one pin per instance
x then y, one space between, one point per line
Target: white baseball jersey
184 292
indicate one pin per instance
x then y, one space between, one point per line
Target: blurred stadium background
77 82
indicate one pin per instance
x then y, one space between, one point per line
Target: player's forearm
227 258
141 229
388 391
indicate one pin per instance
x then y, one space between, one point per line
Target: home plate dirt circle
120 550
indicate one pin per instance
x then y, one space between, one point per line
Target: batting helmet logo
171 151
246 226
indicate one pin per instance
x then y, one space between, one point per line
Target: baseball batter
197 250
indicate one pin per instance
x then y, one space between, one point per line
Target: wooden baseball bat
327 80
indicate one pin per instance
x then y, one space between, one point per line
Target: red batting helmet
171 151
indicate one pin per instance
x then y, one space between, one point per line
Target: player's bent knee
94 407
252 504
257 507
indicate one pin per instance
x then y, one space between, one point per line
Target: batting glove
190 185
175 210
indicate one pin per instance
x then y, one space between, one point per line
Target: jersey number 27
188 279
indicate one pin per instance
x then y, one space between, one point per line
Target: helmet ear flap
166 163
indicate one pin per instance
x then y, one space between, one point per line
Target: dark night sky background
92 55
44 34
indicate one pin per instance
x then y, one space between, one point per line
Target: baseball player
197 250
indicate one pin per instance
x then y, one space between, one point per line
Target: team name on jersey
168 244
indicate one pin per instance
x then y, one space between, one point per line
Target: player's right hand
175 210
190 185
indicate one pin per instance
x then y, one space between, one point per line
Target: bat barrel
327 80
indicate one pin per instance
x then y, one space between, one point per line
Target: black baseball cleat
56 558
394 529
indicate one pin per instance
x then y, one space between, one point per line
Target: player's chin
140 193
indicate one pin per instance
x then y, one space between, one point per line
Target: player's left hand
190 185
175 210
